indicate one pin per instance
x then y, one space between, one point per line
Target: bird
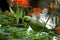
35 24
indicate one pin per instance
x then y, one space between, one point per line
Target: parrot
35 24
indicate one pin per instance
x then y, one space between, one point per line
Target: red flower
22 1
26 2
19 1
57 30
38 9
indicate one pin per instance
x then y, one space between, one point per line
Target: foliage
18 13
10 32
14 33
6 19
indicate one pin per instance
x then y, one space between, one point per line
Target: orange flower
37 10
51 5
19 1
22 2
26 3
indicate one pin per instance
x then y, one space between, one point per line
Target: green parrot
35 24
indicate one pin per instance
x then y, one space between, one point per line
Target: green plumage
37 26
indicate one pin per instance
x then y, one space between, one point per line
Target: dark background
40 3
33 3
4 5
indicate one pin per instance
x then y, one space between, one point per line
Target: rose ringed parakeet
35 24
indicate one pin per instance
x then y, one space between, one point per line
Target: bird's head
27 19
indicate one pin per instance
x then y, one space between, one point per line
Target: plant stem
17 21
